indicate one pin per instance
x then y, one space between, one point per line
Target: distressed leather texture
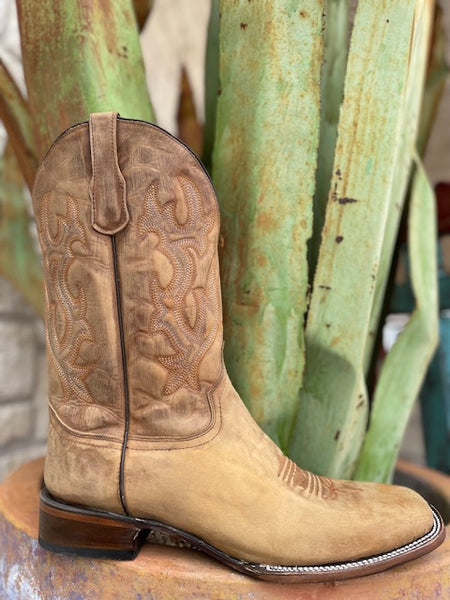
83 343
170 292
194 457
108 188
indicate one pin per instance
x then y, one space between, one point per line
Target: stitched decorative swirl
186 305
67 326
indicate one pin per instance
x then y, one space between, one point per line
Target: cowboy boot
147 435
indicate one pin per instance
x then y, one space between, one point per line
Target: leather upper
144 419
159 205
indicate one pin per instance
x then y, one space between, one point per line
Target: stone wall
23 377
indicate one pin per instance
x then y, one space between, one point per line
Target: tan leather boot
147 434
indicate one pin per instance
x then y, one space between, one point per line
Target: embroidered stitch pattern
183 307
304 482
67 325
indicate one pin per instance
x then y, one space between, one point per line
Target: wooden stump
28 572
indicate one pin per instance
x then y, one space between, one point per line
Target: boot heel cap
79 531
89 552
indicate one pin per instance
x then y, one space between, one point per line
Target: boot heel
74 530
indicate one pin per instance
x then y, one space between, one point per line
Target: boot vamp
239 492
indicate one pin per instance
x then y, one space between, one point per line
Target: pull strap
108 189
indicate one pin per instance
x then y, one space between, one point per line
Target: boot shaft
128 224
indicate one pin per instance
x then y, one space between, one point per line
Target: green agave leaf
14 114
407 362
80 57
19 261
370 148
263 167
331 95
413 119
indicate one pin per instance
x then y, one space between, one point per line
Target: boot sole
80 531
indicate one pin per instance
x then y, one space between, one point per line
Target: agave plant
312 147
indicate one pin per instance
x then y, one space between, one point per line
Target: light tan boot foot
97 534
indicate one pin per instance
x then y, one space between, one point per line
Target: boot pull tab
107 189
